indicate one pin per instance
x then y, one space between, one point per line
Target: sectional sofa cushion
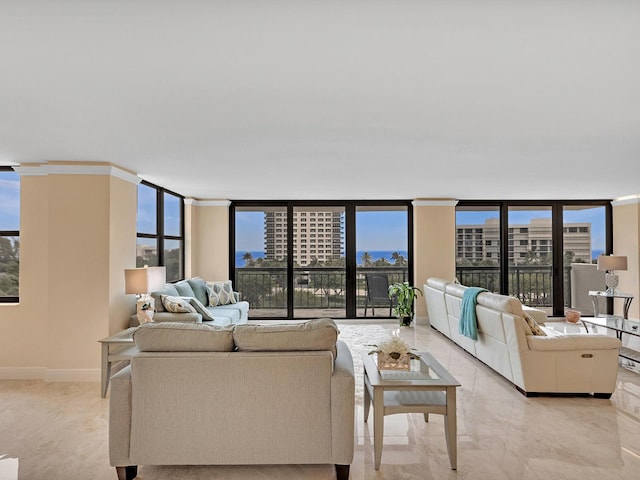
184 289
183 337
168 289
319 334
200 291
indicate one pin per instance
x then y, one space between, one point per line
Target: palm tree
398 259
248 259
366 259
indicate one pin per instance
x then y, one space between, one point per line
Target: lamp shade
612 262
141 281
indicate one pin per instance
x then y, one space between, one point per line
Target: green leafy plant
404 295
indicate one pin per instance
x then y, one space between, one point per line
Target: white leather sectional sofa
555 363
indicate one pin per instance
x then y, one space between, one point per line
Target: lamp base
145 308
611 281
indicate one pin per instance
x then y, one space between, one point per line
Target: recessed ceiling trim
207 203
48 169
627 200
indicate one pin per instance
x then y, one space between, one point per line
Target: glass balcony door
319 266
530 255
261 249
382 256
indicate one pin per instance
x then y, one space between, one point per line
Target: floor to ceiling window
535 251
311 259
382 255
478 246
9 235
160 225
530 243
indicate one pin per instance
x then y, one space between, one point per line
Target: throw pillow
533 325
176 304
221 293
200 308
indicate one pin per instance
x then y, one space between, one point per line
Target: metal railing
531 284
314 287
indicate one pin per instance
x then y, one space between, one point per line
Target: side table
116 348
597 295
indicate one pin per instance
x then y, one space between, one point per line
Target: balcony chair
377 285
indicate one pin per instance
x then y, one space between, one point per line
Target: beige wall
626 234
24 328
77 235
434 241
210 239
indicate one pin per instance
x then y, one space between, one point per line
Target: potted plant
404 295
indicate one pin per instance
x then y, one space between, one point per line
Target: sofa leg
342 472
606 396
127 473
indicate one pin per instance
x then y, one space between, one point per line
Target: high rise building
476 243
318 234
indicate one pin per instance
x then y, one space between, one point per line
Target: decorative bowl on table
572 316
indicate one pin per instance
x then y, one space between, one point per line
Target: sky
9 200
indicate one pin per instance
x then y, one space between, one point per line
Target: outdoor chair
377 285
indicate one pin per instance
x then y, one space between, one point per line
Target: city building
476 243
318 235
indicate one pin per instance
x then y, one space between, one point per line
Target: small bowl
572 316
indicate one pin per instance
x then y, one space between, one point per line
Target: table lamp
141 281
610 263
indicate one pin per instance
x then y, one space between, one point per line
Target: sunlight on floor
8 468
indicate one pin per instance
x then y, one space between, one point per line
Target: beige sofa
239 395
554 363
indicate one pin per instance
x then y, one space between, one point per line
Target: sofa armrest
342 406
120 417
573 341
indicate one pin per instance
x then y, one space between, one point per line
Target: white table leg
105 371
450 428
367 400
378 424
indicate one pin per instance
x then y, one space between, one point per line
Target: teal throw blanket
468 325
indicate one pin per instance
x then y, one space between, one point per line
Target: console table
116 348
597 295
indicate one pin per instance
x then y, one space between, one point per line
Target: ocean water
375 255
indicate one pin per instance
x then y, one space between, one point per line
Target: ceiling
352 99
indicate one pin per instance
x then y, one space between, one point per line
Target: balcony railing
531 284
314 287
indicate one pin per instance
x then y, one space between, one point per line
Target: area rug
359 338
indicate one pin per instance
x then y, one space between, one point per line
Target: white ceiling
351 99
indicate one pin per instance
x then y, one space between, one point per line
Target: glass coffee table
622 326
426 388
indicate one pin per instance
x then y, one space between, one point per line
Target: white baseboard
50 375
22 373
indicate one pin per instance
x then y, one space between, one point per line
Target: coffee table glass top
426 371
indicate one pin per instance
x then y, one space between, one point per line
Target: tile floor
51 431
